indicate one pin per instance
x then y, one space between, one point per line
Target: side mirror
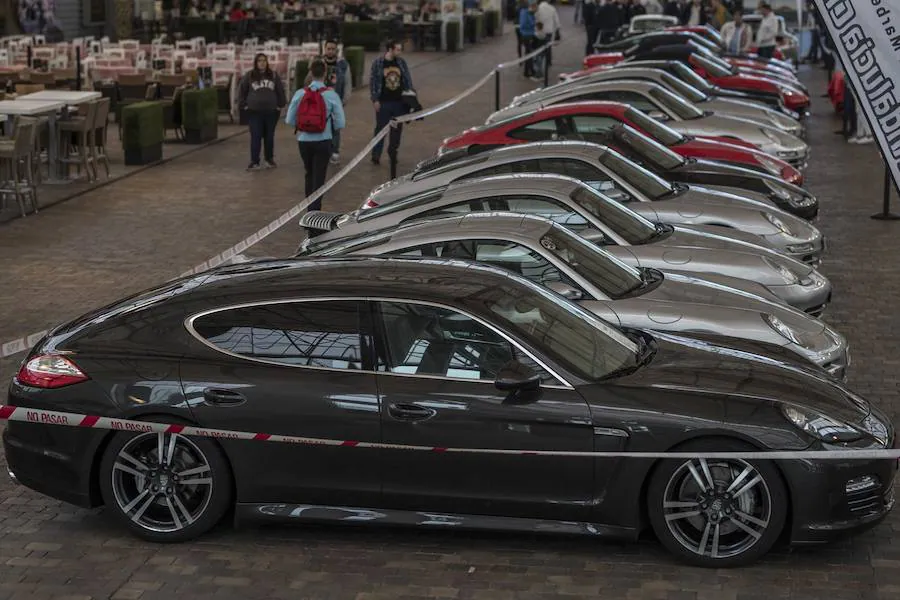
515 377
565 290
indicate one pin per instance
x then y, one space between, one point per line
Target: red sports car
592 122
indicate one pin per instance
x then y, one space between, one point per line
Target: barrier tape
23 344
66 419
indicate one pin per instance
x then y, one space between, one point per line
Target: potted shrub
361 33
142 132
200 115
356 59
452 33
492 22
300 71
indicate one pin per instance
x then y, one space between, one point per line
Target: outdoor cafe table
39 108
70 98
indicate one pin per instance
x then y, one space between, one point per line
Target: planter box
300 71
356 61
200 115
362 33
452 33
142 132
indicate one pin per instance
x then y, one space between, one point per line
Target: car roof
517 183
613 109
550 148
497 225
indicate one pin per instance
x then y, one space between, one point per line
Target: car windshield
684 89
655 129
643 25
675 104
712 65
689 76
565 332
638 177
613 277
648 148
626 223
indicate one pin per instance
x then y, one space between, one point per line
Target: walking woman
261 94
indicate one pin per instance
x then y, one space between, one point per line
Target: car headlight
782 329
819 426
812 279
777 222
790 278
769 165
801 248
795 199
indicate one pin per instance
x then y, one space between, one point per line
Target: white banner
866 34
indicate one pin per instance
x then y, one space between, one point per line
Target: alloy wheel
163 482
717 509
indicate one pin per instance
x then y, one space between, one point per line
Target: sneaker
867 139
335 158
269 164
535 78
855 140
253 167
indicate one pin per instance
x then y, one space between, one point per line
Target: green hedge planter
492 22
200 115
356 59
300 71
453 36
362 33
142 132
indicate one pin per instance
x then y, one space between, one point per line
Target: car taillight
369 204
792 175
50 371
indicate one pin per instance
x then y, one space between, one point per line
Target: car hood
758 134
744 216
695 168
754 111
676 254
684 364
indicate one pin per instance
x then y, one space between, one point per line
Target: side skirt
308 513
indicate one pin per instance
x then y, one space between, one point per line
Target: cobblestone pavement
156 224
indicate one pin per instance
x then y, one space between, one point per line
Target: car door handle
410 412
219 397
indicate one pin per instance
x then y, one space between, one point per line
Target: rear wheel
717 513
165 487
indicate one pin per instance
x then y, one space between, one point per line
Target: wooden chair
15 161
101 124
76 137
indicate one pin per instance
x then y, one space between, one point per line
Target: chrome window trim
189 325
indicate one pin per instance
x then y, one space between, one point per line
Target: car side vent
320 220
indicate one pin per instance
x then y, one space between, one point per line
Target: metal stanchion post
78 68
30 54
393 160
886 214
496 89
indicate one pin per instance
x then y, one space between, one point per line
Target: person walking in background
693 14
316 112
520 41
767 32
336 69
261 94
652 7
547 16
527 30
673 8
389 78
541 39
591 25
737 36
718 14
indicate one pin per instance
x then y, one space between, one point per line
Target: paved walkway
136 233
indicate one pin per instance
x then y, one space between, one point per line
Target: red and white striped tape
66 419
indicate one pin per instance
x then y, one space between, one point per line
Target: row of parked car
624 262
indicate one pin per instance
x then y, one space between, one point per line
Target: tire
170 504
719 524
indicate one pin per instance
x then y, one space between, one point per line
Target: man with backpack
336 73
389 78
316 112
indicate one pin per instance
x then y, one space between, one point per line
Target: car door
437 368
291 368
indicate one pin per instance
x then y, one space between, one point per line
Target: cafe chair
23 89
75 139
98 143
16 165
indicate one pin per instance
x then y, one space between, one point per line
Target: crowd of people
537 25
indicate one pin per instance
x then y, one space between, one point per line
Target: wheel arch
157 414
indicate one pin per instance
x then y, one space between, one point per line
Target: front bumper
824 510
810 299
810 251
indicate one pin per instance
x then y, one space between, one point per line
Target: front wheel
717 513
165 487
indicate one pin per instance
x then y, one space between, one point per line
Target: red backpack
312 112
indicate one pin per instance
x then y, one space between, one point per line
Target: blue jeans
336 141
389 110
262 133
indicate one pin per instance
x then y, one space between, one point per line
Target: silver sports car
676 112
624 233
553 256
753 111
617 177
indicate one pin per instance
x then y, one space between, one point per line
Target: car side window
587 124
451 210
587 173
633 99
534 132
429 340
309 334
540 206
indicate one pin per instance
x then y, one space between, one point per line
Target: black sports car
446 354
